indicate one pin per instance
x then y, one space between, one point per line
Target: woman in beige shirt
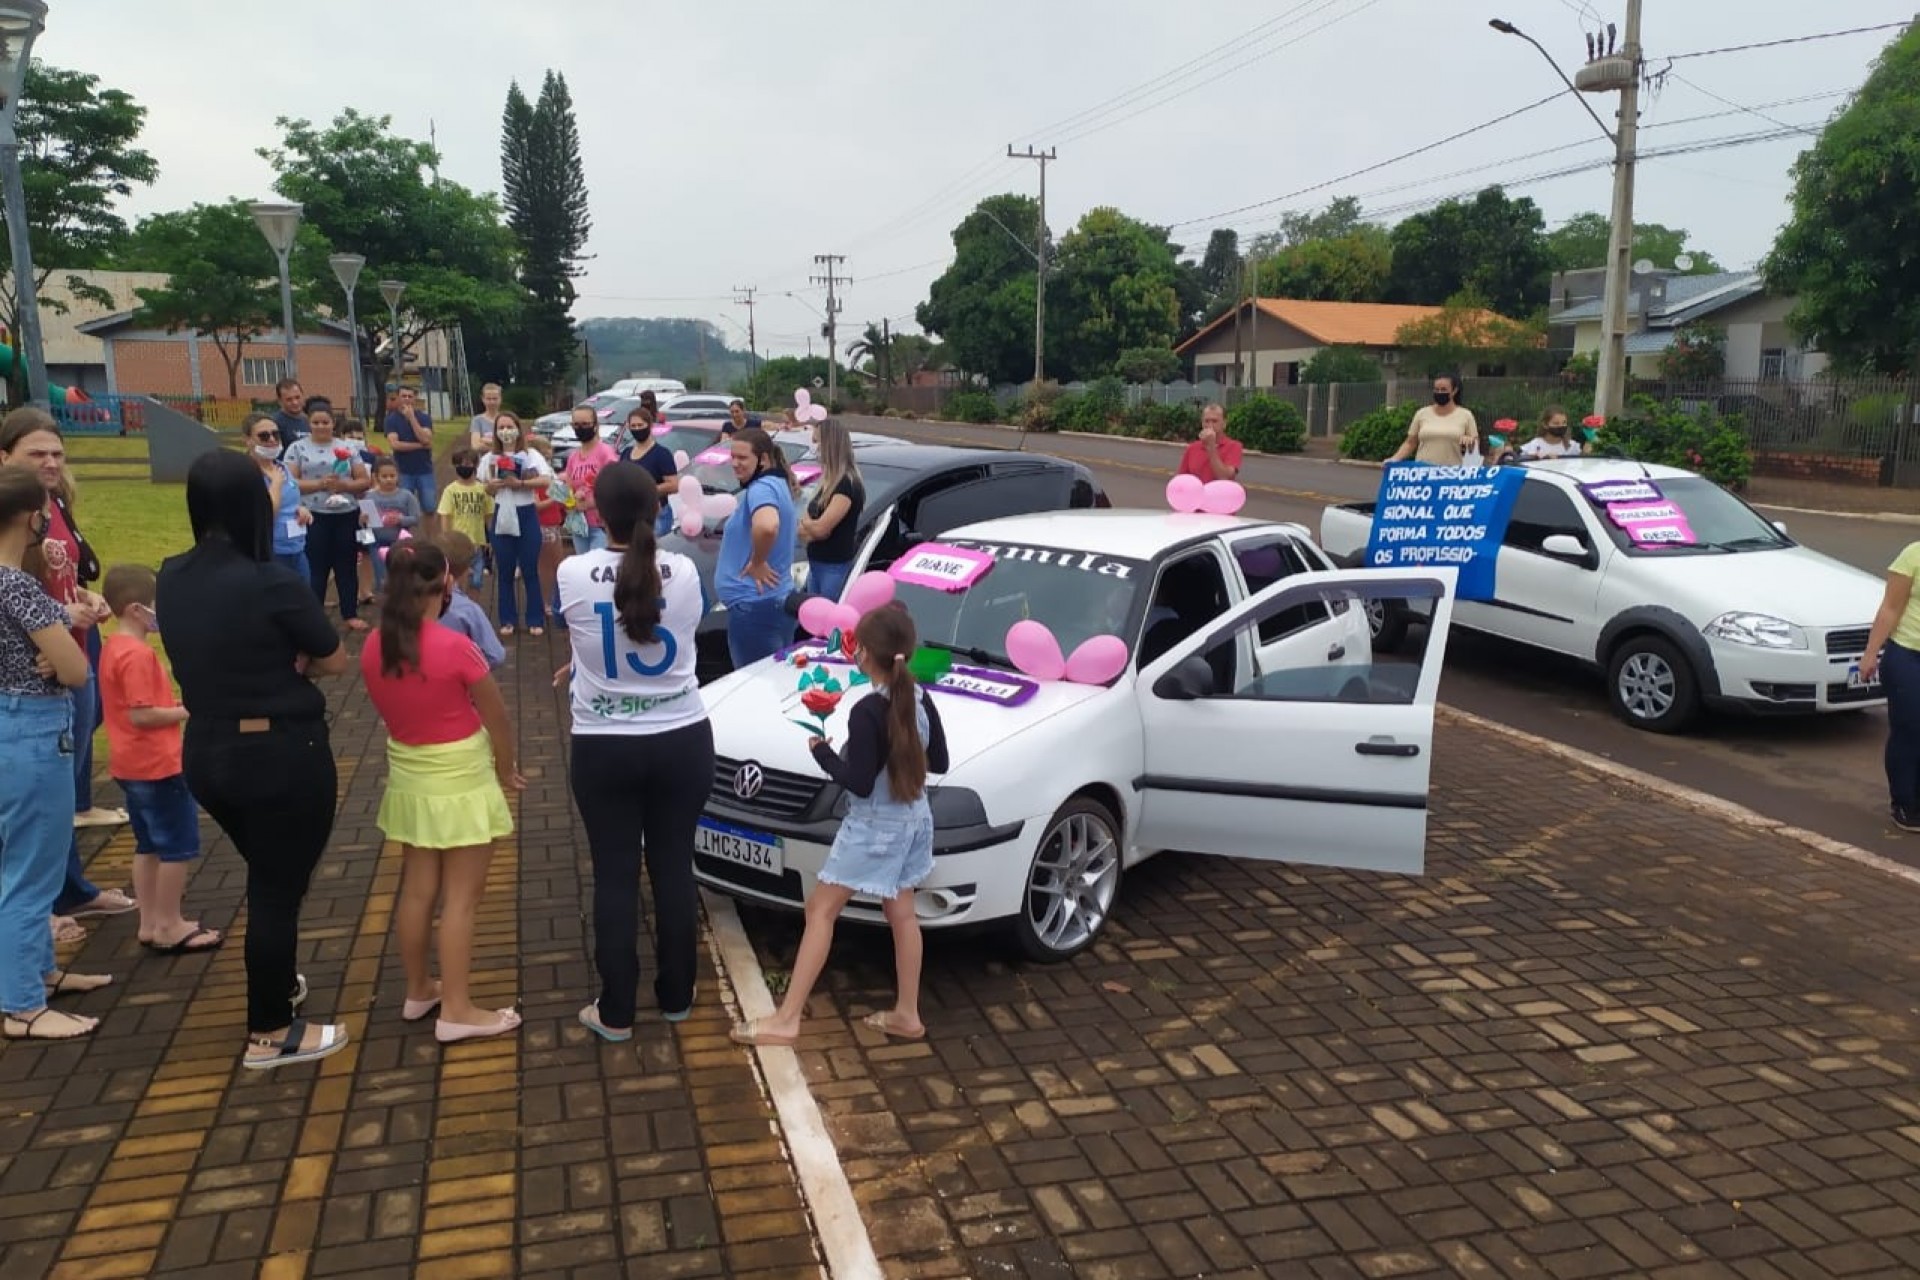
1442 432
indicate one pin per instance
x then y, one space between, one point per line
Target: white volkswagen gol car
1736 616
1252 720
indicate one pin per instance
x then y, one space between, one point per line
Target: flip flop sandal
333 1038
66 929
100 818
76 984
750 1033
27 1031
590 1019
298 996
878 1021
181 948
117 904
454 1032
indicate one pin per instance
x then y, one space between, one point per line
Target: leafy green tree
1492 244
1341 364
773 385
224 281
1465 333
981 307
1342 217
1147 364
1698 354
1581 242
369 191
1115 290
78 158
1354 266
546 204
1847 252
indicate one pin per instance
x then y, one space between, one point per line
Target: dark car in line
914 493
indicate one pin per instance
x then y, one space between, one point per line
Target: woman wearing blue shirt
754 574
290 519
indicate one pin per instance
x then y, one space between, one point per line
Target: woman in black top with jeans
831 525
244 634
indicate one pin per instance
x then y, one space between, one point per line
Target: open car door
1319 756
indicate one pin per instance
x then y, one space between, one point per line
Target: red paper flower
1505 424
820 702
341 452
1593 420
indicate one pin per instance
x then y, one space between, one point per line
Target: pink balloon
689 493
869 591
802 397
1032 648
1097 660
844 618
816 616
680 460
719 506
1184 492
1223 497
691 521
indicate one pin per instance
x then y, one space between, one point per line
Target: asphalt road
1823 774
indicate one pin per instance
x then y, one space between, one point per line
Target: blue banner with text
1430 516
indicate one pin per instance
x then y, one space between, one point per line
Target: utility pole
886 356
703 355
831 261
1607 74
753 354
1040 256
1253 324
1239 305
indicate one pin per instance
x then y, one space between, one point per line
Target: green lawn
129 519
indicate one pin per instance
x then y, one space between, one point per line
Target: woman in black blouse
245 634
831 525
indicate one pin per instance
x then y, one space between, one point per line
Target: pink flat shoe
453 1032
414 1010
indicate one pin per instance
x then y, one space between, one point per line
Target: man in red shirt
1215 455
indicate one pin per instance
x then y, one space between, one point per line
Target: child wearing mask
459 613
1555 439
465 507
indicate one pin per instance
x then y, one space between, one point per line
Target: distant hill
669 347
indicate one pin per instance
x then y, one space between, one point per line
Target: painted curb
836 1215
1726 810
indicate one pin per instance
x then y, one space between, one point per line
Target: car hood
1798 584
753 712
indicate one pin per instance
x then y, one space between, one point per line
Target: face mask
267 451
153 619
509 438
1442 397
1557 431
465 473
585 433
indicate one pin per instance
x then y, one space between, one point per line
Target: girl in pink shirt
450 763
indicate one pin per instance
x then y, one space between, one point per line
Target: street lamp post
21 21
279 223
346 269
391 291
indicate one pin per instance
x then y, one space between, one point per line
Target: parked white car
1742 618
1252 720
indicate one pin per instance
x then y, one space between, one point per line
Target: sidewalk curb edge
830 1201
1726 810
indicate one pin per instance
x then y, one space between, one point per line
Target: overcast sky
729 141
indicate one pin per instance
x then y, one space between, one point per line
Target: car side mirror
1565 546
1190 678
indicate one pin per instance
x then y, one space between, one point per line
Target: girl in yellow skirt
450 762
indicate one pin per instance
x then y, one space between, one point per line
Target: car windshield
715 474
1074 594
1713 521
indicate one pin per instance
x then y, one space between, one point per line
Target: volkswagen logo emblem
748 780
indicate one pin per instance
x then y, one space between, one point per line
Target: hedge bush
1374 437
972 406
1268 424
1096 409
1707 442
1162 421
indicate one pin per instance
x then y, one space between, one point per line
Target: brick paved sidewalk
1604 1036
146 1150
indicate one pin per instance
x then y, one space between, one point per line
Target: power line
1774 44
1752 111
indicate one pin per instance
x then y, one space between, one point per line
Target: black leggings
333 551
273 794
635 791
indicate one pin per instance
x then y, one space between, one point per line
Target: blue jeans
758 629
825 578
77 890
36 818
166 821
1900 676
518 554
294 560
478 577
596 540
423 488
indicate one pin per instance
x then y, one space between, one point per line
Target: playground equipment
56 393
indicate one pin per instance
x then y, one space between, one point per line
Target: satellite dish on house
1683 263
1643 266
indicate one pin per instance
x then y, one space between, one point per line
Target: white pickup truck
1740 618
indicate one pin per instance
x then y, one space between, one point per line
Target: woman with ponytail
884 847
450 763
642 747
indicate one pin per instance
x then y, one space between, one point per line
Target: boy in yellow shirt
466 507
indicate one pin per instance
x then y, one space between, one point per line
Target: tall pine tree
546 199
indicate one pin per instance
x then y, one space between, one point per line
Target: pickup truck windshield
1720 522
1075 594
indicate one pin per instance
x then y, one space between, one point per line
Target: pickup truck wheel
1651 685
1071 884
1387 624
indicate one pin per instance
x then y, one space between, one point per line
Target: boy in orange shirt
144 719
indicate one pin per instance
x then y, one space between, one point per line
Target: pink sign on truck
940 567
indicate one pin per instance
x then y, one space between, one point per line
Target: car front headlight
1760 630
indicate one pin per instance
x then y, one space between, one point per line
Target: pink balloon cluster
821 617
1188 493
1033 649
696 506
805 410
